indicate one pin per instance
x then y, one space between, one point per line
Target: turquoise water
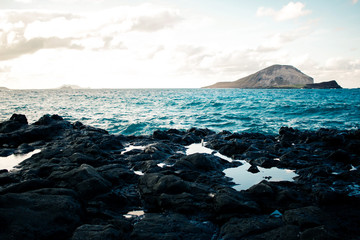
141 111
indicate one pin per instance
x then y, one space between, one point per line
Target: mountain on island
4 88
276 76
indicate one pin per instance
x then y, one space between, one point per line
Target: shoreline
85 183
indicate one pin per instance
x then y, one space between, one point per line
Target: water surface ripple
141 111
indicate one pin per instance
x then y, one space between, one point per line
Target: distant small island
70 87
277 77
4 88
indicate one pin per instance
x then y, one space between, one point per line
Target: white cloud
290 11
23 1
26 32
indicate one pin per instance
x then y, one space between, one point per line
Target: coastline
85 181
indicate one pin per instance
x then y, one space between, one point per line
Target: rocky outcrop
86 184
323 85
276 76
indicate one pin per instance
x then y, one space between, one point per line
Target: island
276 77
323 85
70 87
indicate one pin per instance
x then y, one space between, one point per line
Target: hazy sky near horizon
174 44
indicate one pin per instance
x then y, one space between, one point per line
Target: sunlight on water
132 147
13 160
135 213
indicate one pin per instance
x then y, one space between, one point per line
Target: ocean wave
141 111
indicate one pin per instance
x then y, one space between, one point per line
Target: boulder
287 232
38 216
47 119
200 162
16 122
84 179
317 233
172 227
97 232
261 190
305 217
229 203
237 228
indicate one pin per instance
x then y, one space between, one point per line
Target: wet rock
261 190
20 118
288 134
317 233
237 228
85 180
82 183
233 147
229 203
16 122
24 148
287 232
154 183
354 146
47 119
340 156
161 135
172 226
7 177
97 232
109 143
200 161
163 191
26 186
201 132
38 216
81 158
253 169
186 203
5 152
117 174
305 217
264 162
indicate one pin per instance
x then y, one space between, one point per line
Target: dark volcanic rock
237 228
97 232
38 216
172 226
304 217
16 122
230 203
323 85
200 161
82 184
85 180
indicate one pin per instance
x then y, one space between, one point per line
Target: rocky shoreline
88 184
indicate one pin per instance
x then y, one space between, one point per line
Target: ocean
141 111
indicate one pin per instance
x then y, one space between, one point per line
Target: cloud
33 45
5 69
155 22
26 32
23 1
355 1
290 11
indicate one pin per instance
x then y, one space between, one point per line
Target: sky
174 44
